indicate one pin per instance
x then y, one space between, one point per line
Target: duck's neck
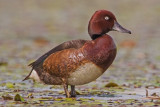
101 51
104 43
95 36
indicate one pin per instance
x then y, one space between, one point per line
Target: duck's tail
27 77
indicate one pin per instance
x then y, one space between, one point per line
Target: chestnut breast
101 51
100 54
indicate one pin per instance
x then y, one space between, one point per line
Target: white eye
107 18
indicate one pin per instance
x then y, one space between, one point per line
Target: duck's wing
38 64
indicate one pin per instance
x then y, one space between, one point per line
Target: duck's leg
66 90
73 92
65 86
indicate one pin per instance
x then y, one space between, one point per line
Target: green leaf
111 84
18 98
9 85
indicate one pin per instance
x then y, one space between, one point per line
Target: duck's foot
73 92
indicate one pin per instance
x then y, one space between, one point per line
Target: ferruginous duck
79 62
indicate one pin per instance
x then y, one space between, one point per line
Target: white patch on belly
85 74
34 76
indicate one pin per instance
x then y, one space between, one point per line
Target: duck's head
102 22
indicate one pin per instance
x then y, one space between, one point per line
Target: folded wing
38 64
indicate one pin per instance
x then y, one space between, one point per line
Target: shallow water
28 29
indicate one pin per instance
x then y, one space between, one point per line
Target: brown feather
61 64
38 64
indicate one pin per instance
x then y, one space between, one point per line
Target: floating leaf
18 98
69 99
2 63
41 41
30 95
9 85
111 84
7 97
78 93
128 44
149 103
